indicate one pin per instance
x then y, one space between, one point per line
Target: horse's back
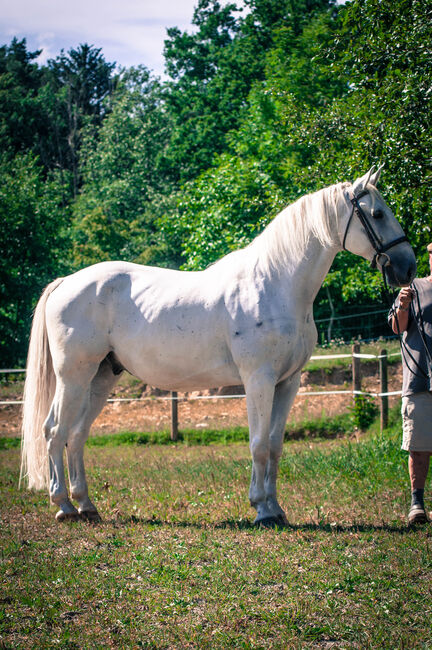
165 326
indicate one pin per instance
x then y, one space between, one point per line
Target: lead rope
421 329
404 349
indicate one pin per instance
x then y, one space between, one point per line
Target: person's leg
418 466
417 441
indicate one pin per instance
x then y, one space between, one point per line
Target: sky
130 32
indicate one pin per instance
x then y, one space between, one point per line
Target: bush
363 411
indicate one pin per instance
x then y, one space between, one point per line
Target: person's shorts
417 422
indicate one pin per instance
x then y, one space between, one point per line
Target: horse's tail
39 391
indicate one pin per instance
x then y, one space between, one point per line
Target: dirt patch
221 411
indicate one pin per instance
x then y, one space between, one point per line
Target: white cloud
129 32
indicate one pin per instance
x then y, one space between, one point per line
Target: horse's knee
259 450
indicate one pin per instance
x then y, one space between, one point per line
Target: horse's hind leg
100 388
70 403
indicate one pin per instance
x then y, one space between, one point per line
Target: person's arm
402 311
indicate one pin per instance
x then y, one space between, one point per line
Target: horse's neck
277 252
302 283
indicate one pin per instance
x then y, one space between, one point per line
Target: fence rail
312 358
355 355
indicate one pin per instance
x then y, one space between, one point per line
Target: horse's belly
189 378
176 362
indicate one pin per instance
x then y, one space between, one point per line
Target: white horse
245 319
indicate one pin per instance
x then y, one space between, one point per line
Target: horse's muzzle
399 274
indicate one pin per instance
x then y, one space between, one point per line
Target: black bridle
375 241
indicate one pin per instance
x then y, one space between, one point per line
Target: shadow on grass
232 524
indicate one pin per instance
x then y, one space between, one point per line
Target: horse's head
370 229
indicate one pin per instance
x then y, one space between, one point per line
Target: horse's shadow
245 525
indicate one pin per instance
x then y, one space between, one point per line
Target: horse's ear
360 184
375 176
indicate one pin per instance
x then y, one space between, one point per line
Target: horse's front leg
284 395
259 397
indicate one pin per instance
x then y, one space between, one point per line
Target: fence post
356 369
174 416
383 389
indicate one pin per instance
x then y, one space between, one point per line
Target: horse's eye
378 214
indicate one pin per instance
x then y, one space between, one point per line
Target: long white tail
39 391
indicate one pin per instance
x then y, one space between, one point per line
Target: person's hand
405 297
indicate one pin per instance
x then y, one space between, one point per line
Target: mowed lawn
177 563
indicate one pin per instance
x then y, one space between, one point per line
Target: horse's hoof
90 515
61 515
271 522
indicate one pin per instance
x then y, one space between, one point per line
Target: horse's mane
283 242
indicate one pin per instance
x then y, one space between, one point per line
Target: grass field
177 563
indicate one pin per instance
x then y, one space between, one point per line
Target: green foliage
211 76
116 212
32 248
363 411
224 209
81 80
214 69
259 108
328 109
385 115
20 111
231 202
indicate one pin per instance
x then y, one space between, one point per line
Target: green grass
176 562
323 427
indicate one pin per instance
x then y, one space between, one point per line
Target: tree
214 69
383 117
232 201
199 104
20 80
82 80
125 182
327 110
32 248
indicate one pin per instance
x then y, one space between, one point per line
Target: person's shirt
414 357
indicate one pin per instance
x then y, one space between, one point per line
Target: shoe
417 515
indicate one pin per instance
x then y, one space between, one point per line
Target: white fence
174 397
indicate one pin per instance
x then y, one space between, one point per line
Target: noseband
377 245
